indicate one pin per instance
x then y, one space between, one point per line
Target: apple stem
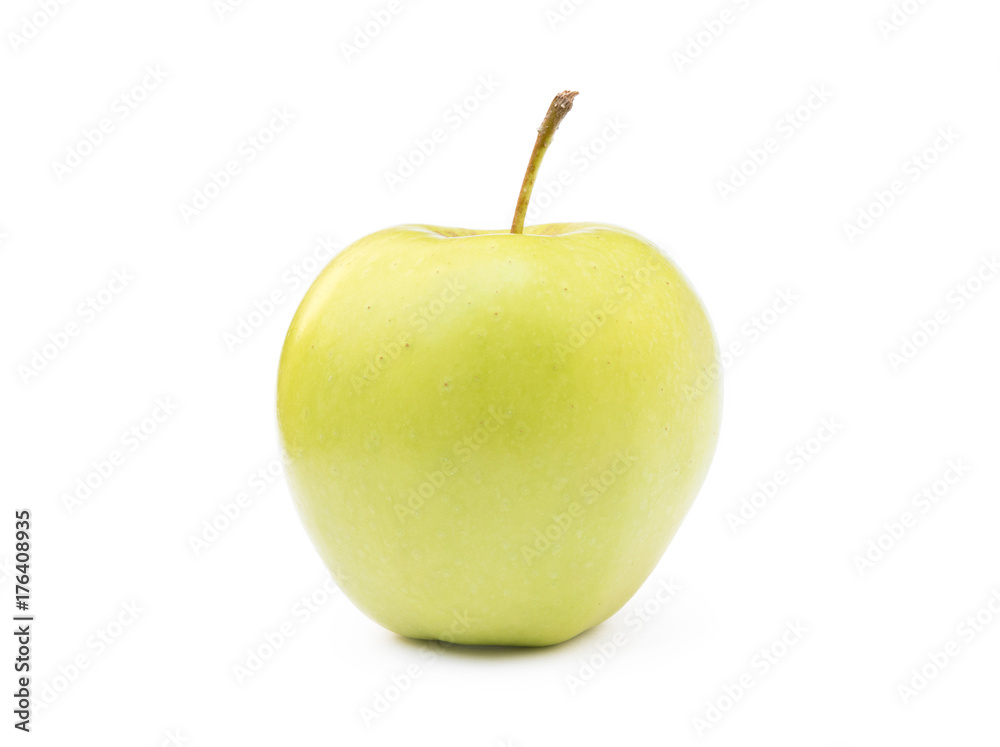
558 110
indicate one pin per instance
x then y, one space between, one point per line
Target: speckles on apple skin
513 366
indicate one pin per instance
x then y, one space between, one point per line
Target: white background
169 673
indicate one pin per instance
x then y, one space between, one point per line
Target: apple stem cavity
558 110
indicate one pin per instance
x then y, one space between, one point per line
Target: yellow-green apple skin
492 437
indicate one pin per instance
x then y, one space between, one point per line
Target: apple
492 436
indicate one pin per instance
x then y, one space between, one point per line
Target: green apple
492 436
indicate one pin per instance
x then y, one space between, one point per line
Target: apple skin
492 437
